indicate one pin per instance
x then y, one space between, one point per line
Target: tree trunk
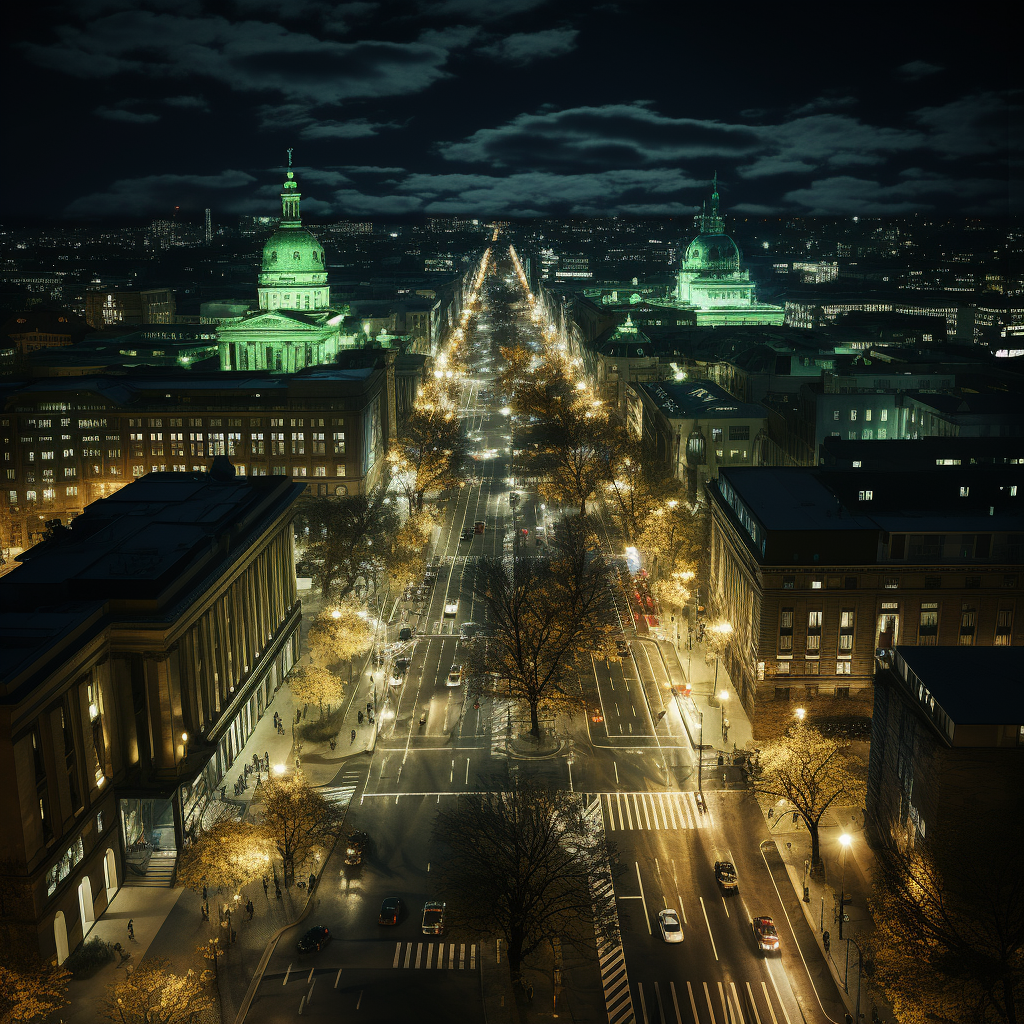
1008 998
515 954
534 723
815 844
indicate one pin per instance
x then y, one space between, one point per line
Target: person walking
266 886
312 881
131 929
249 908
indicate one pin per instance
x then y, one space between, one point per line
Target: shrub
324 729
89 958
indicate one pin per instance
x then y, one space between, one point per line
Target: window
339 444
892 582
865 495
843 691
883 415
339 470
298 471
812 668
71 492
867 415
319 444
788 582
853 415
319 471
965 492
835 414
1004 627
739 433
968 617
926 545
278 471
898 545
235 444
276 422
298 444
928 629
178 445
277 444
813 632
716 434
258 446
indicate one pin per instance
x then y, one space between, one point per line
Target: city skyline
532 109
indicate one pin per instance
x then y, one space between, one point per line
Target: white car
671 929
451 609
455 676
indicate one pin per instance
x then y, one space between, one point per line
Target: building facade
162 623
110 308
68 441
816 569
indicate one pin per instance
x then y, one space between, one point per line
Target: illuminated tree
948 944
543 614
297 819
348 540
341 633
316 684
674 589
813 772
150 994
30 988
228 855
429 454
521 859
408 545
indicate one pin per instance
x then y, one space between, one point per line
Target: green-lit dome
712 252
293 251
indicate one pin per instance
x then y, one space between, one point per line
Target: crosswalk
710 1002
424 958
652 811
339 796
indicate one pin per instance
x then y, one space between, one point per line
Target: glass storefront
147 829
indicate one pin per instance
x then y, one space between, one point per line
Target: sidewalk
821 910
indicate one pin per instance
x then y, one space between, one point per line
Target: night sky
122 110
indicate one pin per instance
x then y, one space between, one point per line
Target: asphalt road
630 752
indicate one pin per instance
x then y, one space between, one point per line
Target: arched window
296 255
273 256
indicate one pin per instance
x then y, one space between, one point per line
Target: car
725 875
455 676
622 648
402 666
671 929
405 633
478 526
451 609
467 534
765 935
355 847
433 918
682 690
390 911
314 939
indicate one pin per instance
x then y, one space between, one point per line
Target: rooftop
697 400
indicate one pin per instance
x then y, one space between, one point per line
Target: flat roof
974 685
698 399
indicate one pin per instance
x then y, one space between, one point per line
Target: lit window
865 495
843 668
964 492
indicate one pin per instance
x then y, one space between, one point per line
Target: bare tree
948 944
522 860
813 772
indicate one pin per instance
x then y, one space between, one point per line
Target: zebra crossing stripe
339 796
398 953
430 956
650 811
472 957
419 954
408 954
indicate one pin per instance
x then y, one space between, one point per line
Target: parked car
390 911
405 633
671 929
765 935
314 939
433 918
725 875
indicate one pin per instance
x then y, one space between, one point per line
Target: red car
765 935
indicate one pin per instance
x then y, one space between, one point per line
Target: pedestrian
353 735
277 889
298 716
249 908
266 885
304 707
204 891
275 719
312 881
131 929
266 761
224 792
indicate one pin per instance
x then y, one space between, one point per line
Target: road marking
616 767
430 956
778 994
707 996
451 956
408 954
647 817
726 905
647 917
677 811
359 1001
289 971
643 1002
338 978
309 994
661 1006
675 1002
467 771
472 957
693 1005
757 1018
768 1000
440 956
462 956
634 710
629 816
310 977
708 923
721 995
419 954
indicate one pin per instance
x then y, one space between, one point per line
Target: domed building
295 326
711 280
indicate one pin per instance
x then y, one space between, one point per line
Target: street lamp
844 840
184 745
800 713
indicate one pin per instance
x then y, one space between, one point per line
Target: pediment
273 320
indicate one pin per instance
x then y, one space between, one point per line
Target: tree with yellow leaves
813 772
316 684
297 818
341 633
429 453
228 855
151 994
30 988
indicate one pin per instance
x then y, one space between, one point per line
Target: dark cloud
126 116
917 69
479 10
188 103
297 119
524 47
162 192
972 125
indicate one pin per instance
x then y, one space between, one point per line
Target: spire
290 198
711 222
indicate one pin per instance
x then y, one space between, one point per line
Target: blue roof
701 399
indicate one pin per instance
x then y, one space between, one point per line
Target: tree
674 589
228 855
341 633
674 535
542 614
813 772
297 819
948 944
150 994
318 685
30 988
405 557
431 450
521 859
348 540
